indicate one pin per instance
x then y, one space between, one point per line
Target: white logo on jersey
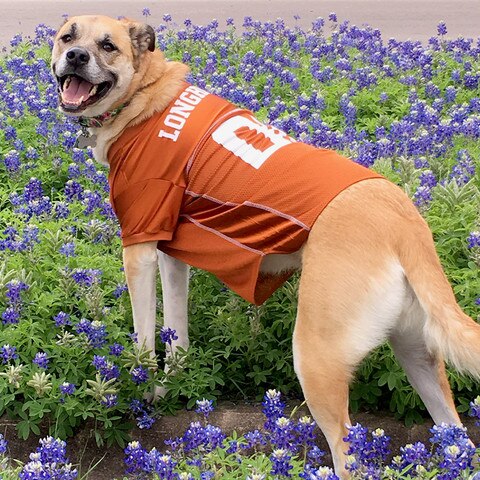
180 111
265 142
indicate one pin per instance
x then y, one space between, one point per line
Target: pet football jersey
219 190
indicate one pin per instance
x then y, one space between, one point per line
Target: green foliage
237 350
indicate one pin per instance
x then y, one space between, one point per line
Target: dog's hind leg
351 295
174 274
425 370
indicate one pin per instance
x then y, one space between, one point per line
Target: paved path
402 19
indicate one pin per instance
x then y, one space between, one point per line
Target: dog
370 272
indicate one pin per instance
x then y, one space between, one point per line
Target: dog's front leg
174 274
140 263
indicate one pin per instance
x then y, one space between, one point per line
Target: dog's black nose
77 56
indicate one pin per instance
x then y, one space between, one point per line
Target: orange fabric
219 190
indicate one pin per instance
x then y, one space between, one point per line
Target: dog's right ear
143 37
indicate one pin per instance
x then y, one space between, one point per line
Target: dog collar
85 138
99 120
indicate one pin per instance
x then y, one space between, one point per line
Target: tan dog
370 272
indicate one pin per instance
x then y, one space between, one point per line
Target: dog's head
95 59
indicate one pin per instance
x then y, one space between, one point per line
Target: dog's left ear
143 37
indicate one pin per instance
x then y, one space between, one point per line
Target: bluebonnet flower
145 421
49 462
119 290
473 240
464 168
62 319
107 369
86 276
68 249
41 360
10 316
442 28
254 439
139 375
14 290
283 434
67 388
12 161
167 334
61 210
321 473
135 457
95 332
305 430
273 408
204 407
116 349
3 445
366 454
281 463
110 401
427 178
423 197
333 17
413 455
8 353
146 12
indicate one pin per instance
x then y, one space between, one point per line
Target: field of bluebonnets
67 353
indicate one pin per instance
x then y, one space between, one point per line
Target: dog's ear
143 37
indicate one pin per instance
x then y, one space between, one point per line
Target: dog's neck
99 120
152 91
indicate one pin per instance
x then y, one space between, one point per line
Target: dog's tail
447 330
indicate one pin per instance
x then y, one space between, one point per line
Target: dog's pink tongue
75 90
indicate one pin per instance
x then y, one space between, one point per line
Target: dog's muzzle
78 88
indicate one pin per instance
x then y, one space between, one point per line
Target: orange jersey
219 190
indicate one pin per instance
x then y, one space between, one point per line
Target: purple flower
86 276
49 462
116 349
167 334
41 360
204 407
145 421
12 161
117 293
3 445
10 316
281 463
139 375
68 249
473 240
8 353
62 319
110 401
135 458
442 28
95 332
273 408
67 388
106 368
14 289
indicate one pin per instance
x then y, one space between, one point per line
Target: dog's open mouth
76 93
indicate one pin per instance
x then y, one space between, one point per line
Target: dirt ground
83 452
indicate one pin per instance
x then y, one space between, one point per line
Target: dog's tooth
93 90
67 82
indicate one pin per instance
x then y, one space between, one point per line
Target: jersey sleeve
148 210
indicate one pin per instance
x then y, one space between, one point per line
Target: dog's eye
108 47
66 38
